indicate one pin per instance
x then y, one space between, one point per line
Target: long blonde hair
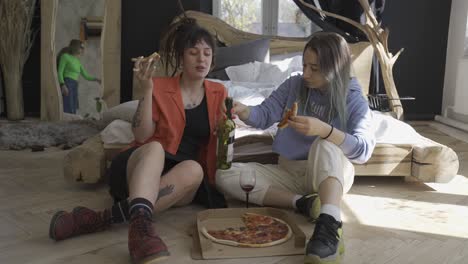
334 60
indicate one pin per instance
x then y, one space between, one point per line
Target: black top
196 133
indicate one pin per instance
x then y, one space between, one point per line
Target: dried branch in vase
15 44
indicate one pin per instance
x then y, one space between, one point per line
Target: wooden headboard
361 52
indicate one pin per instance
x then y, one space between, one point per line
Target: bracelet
331 131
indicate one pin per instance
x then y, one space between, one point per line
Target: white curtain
466 37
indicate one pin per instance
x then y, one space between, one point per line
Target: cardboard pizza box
214 219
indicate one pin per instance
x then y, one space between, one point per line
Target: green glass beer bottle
225 148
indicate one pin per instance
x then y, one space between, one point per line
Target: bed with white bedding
400 150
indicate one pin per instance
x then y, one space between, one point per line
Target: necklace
191 101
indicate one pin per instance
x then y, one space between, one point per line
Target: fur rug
40 135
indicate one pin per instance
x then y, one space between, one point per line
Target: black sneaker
326 244
309 206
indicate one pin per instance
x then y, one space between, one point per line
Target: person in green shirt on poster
69 70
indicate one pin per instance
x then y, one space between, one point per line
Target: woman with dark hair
332 129
69 70
174 146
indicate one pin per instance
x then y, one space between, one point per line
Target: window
241 14
291 21
267 17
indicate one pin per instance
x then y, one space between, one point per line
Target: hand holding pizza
289 113
144 68
309 126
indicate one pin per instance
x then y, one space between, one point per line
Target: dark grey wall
31 72
142 26
421 27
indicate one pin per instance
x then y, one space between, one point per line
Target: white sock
294 200
332 210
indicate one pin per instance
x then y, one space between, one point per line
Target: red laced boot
80 221
144 245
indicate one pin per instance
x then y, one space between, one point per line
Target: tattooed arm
143 126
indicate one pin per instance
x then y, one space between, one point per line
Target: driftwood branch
385 35
378 37
369 14
395 57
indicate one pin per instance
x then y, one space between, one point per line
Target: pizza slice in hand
153 56
287 115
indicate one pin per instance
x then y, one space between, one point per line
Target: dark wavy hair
181 35
73 48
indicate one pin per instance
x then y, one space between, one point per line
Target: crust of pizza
155 55
250 245
288 114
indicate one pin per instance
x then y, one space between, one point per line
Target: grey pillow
124 111
256 50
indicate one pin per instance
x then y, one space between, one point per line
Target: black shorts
118 174
206 194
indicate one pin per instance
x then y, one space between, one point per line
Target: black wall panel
421 27
143 22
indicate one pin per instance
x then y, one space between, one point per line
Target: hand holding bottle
225 133
239 109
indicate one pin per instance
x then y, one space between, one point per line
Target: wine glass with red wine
247 182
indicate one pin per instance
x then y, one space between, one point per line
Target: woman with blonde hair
333 128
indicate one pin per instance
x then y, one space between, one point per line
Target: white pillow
262 72
290 65
117 132
242 73
123 111
254 72
281 57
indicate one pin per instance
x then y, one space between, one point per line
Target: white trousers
302 177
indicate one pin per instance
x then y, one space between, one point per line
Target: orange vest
169 116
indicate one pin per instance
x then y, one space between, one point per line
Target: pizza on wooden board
288 114
259 231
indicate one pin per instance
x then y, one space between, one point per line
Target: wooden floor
386 220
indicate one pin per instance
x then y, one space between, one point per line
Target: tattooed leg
179 185
165 190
